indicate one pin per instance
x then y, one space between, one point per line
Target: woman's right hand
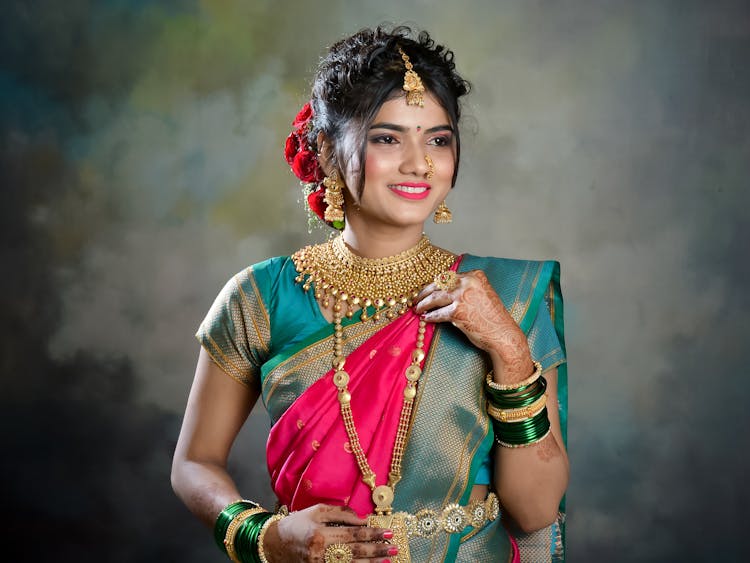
304 536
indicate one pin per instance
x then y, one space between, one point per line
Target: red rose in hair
305 167
291 148
303 117
317 204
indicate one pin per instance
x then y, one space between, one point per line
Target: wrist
509 370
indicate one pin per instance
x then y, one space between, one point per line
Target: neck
380 241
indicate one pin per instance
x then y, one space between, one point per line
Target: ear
326 156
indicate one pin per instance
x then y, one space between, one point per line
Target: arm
216 410
529 480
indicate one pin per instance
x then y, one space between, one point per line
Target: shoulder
509 269
520 284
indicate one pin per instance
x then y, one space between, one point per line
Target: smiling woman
413 392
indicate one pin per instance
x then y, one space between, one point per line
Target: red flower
303 117
291 148
317 204
305 167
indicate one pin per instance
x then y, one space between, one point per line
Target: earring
334 198
442 214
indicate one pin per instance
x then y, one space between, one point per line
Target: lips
410 190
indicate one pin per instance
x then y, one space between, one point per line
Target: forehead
397 112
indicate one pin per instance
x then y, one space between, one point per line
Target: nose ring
430 166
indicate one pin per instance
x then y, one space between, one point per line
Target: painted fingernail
388 534
386 561
392 550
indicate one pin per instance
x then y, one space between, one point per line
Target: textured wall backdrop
141 167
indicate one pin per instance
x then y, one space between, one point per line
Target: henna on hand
481 315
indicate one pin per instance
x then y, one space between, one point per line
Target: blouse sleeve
543 340
236 331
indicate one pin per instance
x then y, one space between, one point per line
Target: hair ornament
412 83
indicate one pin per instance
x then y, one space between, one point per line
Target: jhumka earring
334 197
442 214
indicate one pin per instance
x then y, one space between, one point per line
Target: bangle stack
518 411
240 528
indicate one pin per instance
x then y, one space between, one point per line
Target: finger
442 315
370 551
349 534
340 515
439 298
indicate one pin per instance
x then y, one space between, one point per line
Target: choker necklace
388 284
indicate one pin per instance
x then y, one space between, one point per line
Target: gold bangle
234 527
517 415
506 445
262 534
513 386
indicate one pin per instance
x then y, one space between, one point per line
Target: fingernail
386 561
392 550
388 534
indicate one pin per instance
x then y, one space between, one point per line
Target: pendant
400 539
382 496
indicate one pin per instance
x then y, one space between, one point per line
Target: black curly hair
361 72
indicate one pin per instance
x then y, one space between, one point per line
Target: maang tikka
412 83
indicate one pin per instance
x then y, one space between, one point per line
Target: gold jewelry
389 284
442 214
334 197
234 527
412 83
519 414
338 553
262 535
447 281
430 167
512 386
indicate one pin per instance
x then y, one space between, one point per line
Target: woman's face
397 189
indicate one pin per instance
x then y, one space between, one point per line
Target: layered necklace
390 286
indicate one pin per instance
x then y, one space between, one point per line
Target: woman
409 388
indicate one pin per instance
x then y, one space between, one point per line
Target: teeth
410 189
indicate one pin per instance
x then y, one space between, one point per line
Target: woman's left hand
474 307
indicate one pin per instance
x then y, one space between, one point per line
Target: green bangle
225 518
523 433
246 542
517 400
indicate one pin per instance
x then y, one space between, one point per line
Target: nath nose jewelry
430 166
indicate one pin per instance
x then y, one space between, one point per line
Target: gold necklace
388 284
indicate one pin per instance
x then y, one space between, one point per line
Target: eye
383 139
441 141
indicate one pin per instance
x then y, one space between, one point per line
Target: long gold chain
382 495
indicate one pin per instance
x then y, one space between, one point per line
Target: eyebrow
402 129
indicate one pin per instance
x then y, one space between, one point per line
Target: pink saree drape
308 452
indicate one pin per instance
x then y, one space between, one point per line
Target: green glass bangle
521 400
225 518
246 542
524 432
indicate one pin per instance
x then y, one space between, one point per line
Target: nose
415 160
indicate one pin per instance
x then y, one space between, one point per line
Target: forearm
205 488
531 481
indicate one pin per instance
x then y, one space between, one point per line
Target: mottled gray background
141 167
